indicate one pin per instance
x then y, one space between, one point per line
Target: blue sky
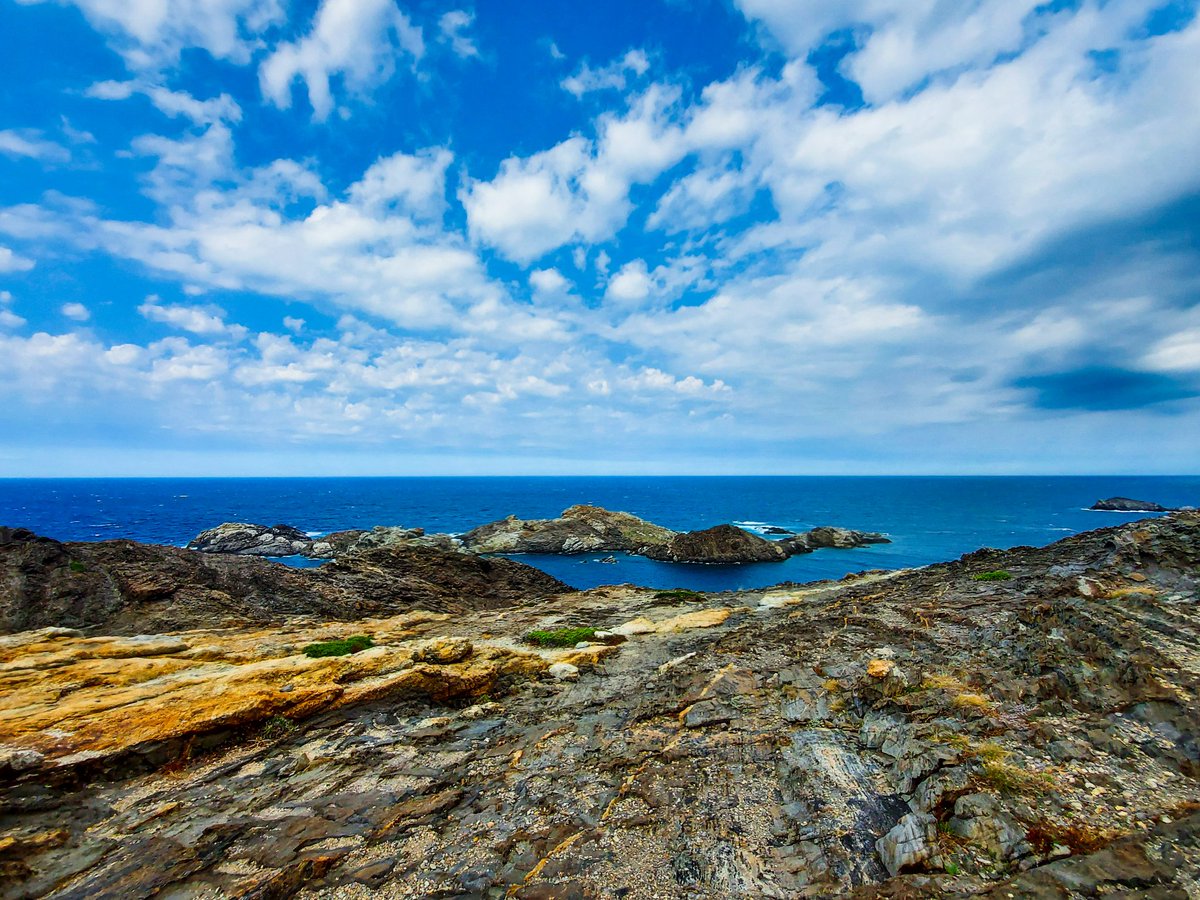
371 237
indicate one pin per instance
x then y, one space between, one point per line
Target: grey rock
909 844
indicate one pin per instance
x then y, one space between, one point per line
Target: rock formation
580 529
829 536
245 539
906 734
123 587
722 544
1124 504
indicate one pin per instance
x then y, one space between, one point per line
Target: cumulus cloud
13 262
169 102
356 41
202 320
76 311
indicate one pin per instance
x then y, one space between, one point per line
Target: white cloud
358 41
614 76
29 142
412 184
169 102
202 320
631 285
151 33
577 190
1177 353
453 26
293 324
12 262
549 282
76 311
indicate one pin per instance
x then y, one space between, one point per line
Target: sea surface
928 519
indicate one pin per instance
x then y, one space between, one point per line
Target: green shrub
277 727
76 566
340 647
952 868
678 594
562 637
998 575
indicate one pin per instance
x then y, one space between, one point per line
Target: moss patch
998 575
342 647
678 594
562 637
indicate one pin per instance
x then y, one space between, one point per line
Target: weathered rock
978 819
720 544
1125 504
910 844
580 529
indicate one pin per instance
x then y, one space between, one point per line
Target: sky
262 237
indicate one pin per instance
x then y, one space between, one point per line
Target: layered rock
720 544
1125 504
1032 737
580 529
245 539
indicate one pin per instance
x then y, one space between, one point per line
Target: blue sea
928 519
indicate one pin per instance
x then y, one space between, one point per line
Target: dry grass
1010 779
832 685
1119 593
969 700
942 683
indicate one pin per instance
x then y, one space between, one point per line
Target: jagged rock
721 544
580 529
978 819
564 671
910 844
1125 504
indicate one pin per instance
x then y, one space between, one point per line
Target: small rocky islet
1019 723
580 529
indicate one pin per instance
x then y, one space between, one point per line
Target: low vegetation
998 575
76 566
1010 779
562 637
340 647
678 594
277 727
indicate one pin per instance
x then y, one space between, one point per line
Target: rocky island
410 721
580 529
1125 504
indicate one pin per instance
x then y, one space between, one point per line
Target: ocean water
929 519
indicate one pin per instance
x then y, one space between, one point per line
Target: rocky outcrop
252 540
245 539
908 734
721 544
1124 504
580 529
123 587
830 536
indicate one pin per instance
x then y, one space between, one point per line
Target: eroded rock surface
722 544
580 529
1034 737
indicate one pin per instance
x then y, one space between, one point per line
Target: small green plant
277 727
998 575
562 637
76 566
341 647
679 594
952 868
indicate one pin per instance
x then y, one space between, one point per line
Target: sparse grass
1010 779
562 637
341 647
998 575
1119 593
990 751
277 727
832 685
968 701
942 683
76 566
952 868
679 594
1042 837
951 739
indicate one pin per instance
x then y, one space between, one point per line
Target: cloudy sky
793 236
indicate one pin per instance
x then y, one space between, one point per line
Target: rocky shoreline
580 529
1020 723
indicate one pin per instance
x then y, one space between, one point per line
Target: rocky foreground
1013 724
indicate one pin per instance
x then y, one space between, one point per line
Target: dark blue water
928 519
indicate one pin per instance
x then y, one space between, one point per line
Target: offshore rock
252 540
830 536
1125 504
721 544
580 529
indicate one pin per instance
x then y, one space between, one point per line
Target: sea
928 519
